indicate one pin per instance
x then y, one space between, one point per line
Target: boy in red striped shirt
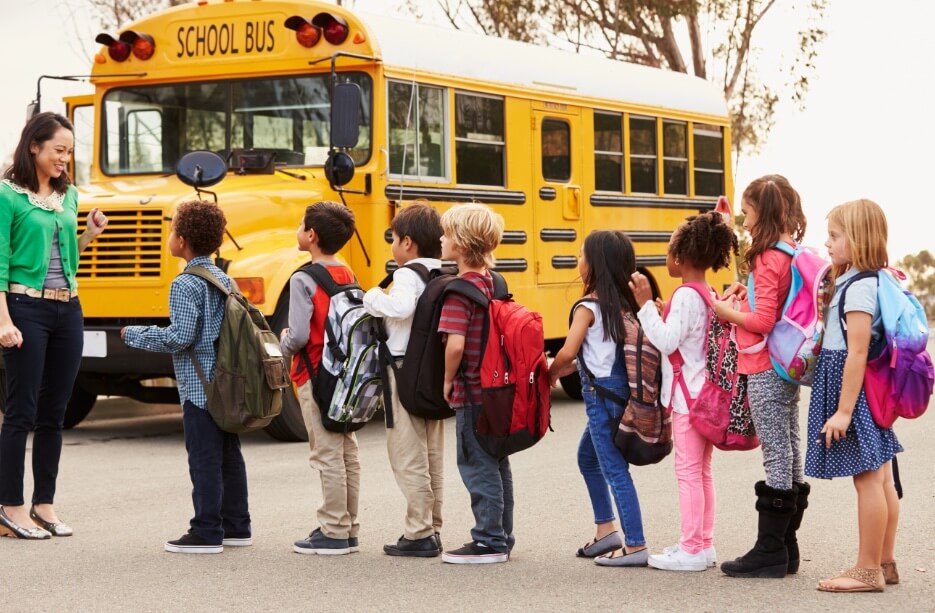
471 233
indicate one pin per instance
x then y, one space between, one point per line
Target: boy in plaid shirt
196 310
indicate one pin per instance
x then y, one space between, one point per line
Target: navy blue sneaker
353 544
418 548
318 543
192 543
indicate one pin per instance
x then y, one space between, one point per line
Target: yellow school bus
558 143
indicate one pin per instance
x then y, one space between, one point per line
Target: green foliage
921 271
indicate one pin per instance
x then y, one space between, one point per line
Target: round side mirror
339 168
201 169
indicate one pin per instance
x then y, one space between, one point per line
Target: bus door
556 191
80 110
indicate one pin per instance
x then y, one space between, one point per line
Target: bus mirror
345 115
201 169
339 168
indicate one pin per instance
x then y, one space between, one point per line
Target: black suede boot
792 544
768 558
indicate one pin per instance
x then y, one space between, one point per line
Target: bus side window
675 157
417 134
709 160
608 152
643 154
480 146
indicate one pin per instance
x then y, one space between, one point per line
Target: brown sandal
890 573
872 579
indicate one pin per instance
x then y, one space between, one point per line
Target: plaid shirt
195 313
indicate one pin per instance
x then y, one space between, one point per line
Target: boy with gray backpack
311 340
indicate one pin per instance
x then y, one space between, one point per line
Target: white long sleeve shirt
684 329
398 305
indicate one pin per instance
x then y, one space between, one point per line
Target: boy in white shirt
415 445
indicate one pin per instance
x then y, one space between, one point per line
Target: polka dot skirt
865 446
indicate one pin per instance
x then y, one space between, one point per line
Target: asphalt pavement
124 488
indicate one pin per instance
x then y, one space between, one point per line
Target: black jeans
219 477
39 375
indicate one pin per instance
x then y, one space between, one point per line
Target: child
196 310
597 330
843 440
415 445
772 212
471 233
703 242
324 230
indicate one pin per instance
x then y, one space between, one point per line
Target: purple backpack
899 375
721 410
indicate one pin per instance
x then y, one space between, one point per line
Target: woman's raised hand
96 222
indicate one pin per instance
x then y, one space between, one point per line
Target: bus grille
130 247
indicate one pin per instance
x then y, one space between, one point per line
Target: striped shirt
195 315
462 316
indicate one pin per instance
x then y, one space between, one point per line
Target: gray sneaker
323 545
605 544
637 558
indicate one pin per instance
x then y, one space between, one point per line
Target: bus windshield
148 128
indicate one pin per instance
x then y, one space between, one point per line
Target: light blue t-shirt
861 296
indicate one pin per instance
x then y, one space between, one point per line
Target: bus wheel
79 405
289 426
572 385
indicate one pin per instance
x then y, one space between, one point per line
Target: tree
711 39
117 13
921 271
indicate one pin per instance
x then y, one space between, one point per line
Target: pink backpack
795 341
721 411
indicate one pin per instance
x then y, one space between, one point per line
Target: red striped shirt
464 317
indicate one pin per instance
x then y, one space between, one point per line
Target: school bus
558 143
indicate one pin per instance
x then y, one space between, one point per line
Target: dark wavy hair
611 260
705 240
38 129
778 209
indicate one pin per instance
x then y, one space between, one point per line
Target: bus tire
572 385
289 426
79 405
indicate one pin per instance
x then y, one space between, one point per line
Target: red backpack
514 374
721 410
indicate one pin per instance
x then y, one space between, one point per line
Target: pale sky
865 132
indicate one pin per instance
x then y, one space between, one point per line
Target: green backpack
251 372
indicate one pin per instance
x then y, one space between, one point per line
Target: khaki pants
334 455
416 449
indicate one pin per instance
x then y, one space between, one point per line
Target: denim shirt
196 311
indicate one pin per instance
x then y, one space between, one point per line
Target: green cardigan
26 232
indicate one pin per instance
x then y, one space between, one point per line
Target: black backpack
421 377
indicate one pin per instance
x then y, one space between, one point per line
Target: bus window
643 154
556 150
608 152
287 116
144 127
479 140
675 157
83 120
417 130
709 160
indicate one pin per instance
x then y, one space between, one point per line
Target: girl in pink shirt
772 212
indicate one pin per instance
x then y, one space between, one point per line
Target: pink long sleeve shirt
772 277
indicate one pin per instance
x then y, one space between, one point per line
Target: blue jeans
219 477
602 465
40 375
489 480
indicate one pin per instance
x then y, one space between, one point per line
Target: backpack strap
416 267
841 315
203 273
675 358
600 389
781 246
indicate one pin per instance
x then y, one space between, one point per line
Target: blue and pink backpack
899 376
795 341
